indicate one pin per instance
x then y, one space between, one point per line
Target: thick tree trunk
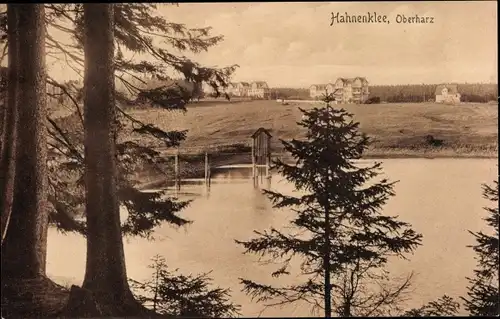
9 122
26 291
326 267
105 273
326 256
25 247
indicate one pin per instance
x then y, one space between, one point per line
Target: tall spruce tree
483 293
105 272
137 28
28 223
25 246
338 230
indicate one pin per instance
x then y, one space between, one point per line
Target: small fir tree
170 293
338 230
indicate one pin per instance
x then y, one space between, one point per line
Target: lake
441 198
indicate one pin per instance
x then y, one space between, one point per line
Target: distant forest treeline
479 92
290 93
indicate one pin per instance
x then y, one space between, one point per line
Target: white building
447 93
259 89
318 91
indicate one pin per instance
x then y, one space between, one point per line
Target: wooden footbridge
260 165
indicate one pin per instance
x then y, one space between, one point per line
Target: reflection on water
440 198
235 175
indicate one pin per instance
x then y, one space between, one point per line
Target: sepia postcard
249 159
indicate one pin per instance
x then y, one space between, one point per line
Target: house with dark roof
259 89
351 90
447 93
239 89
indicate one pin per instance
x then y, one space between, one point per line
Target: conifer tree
28 223
483 293
338 231
105 272
169 292
24 248
443 306
137 28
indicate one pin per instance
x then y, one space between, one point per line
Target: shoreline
430 153
193 170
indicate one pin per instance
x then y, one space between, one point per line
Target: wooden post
267 165
253 158
209 173
207 170
177 172
268 157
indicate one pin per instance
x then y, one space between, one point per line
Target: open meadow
397 130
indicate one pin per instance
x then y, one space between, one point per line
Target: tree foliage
442 307
290 93
139 29
168 292
483 292
339 212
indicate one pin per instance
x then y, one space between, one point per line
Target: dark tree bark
25 246
26 291
9 121
326 266
105 273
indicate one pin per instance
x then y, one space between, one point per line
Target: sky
293 44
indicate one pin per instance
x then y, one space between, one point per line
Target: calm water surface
441 198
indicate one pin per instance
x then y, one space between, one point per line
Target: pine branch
483 291
444 306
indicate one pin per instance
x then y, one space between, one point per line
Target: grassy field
397 130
